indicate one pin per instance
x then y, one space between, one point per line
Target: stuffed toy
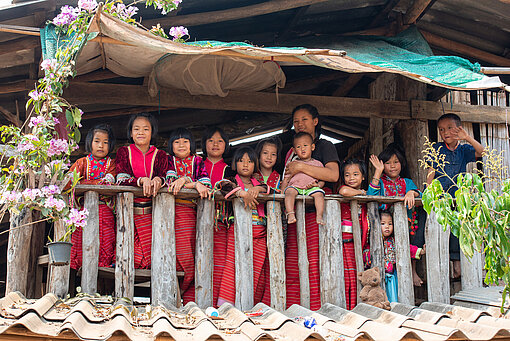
372 293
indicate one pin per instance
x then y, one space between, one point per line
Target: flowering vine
37 154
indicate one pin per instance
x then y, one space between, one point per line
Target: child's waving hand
460 133
378 164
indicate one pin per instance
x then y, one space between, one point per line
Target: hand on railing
175 186
150 187
203 190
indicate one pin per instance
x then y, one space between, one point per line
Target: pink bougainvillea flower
57 146
176 2
35 121
77 218
35 95
31 194
48 64
178 32
87 5
67 15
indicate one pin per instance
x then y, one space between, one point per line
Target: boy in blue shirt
457 156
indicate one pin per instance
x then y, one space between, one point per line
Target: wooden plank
376 239
232 13
90 243
19 86
304 279
124 261
243 230
471 271
164 282
204 255
358 248
17 252
35 273
331 257
276 254
348 85
415 11
58 280
25 43
438 259
17 58
10 117
403 260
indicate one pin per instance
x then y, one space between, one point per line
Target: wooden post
204 256
358 248
304 280
125 263
90 243
438 260
404 271
243 230
471 271
276 254
376 239
164 284
331 256
18 252
58 281
34 279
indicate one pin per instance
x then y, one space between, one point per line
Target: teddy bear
372 293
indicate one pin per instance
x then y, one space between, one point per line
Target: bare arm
329 172
430 175
347 191
463 135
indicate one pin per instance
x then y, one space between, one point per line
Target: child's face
181 148
353 176
392 167
245 166
303 147
386 225
100 147
445 127
215 146
141 132
268 156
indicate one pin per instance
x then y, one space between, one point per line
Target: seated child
302 183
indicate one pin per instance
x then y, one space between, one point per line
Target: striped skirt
185 238
220 255
143 237
351 293
291 263
107 236
227 290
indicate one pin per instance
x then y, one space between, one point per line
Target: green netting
52 40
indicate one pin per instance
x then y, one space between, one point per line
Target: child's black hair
312 111
300 135
361 164
181 133
104 128
275 141
209 132
148 117
388 212
238 155
393 149
453 117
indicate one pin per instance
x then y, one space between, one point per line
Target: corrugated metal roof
99 318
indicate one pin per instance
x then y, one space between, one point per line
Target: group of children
252 172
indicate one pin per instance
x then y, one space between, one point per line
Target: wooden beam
17 58
464 49
415 11
96 76
10 117
196 19
26 43
348 85
287 29
9 88
121 112
381 16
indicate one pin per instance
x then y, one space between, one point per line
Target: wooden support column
90 243
304 279
438 260
358 248
204 256
471 271
164 283
35 272
404 271
58 280
331 256
18 252
376 239
125 263
243 230
276 254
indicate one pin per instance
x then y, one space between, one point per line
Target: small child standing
302 183
353 173
95 169
268 150
457 156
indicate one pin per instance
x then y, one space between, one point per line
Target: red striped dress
132 165
186 220
96 172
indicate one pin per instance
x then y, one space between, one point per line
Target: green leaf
77 136
69 118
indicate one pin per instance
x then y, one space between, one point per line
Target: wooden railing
164 282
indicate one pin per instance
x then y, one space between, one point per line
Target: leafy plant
479 216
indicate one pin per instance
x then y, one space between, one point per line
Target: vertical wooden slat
304 280
358 248
18 252
376 239
243 230
58 282
276 253
164 284
331 256
204 254
471 271
438 260
125 263
90 243
404 271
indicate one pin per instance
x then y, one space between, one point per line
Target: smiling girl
268 151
